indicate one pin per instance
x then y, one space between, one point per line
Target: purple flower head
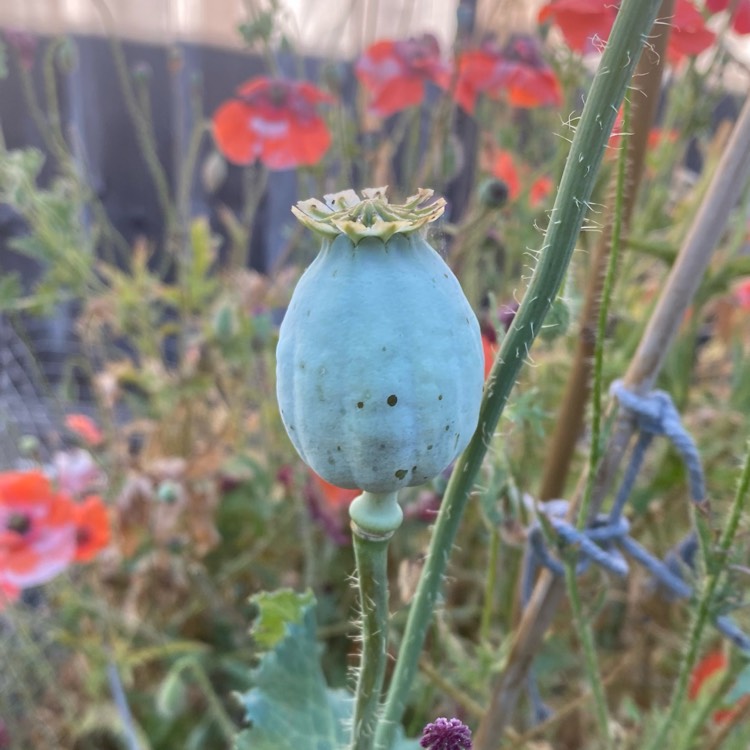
446 734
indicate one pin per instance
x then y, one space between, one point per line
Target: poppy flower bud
493 193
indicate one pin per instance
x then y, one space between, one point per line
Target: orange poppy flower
37 531
517 72
395 72
92 528
85 428
740 14
273 121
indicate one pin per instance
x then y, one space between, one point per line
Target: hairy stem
569 421
618 62
374 519
371 556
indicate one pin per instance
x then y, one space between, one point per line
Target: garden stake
571 205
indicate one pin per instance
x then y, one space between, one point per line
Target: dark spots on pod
385 348
360 404
429 447
382 446
331 460
400 473
413 469
445 275
392 400
301 365
440 397
291 427
335 273
447 427
338 448
458 435
307 314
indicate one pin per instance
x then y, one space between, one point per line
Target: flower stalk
374 517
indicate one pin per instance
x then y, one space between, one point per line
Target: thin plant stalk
704 607
571 205
604 305
591 663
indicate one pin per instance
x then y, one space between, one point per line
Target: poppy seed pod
379 361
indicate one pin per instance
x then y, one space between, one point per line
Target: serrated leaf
277 610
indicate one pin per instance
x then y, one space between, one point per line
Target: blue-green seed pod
379 361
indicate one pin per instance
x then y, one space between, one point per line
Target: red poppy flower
516 71
332 497
504 167
740 14
37 531
585 24
540 190
742 294
689 35
92 528
711 667
85 428
395 72
489 348
273 121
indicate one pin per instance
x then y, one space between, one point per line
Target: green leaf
290 706
278 610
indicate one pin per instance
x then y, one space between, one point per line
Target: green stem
375 517
489 589
608 88
591 663
705 604
601 332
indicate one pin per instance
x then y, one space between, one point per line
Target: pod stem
631 28
375 517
